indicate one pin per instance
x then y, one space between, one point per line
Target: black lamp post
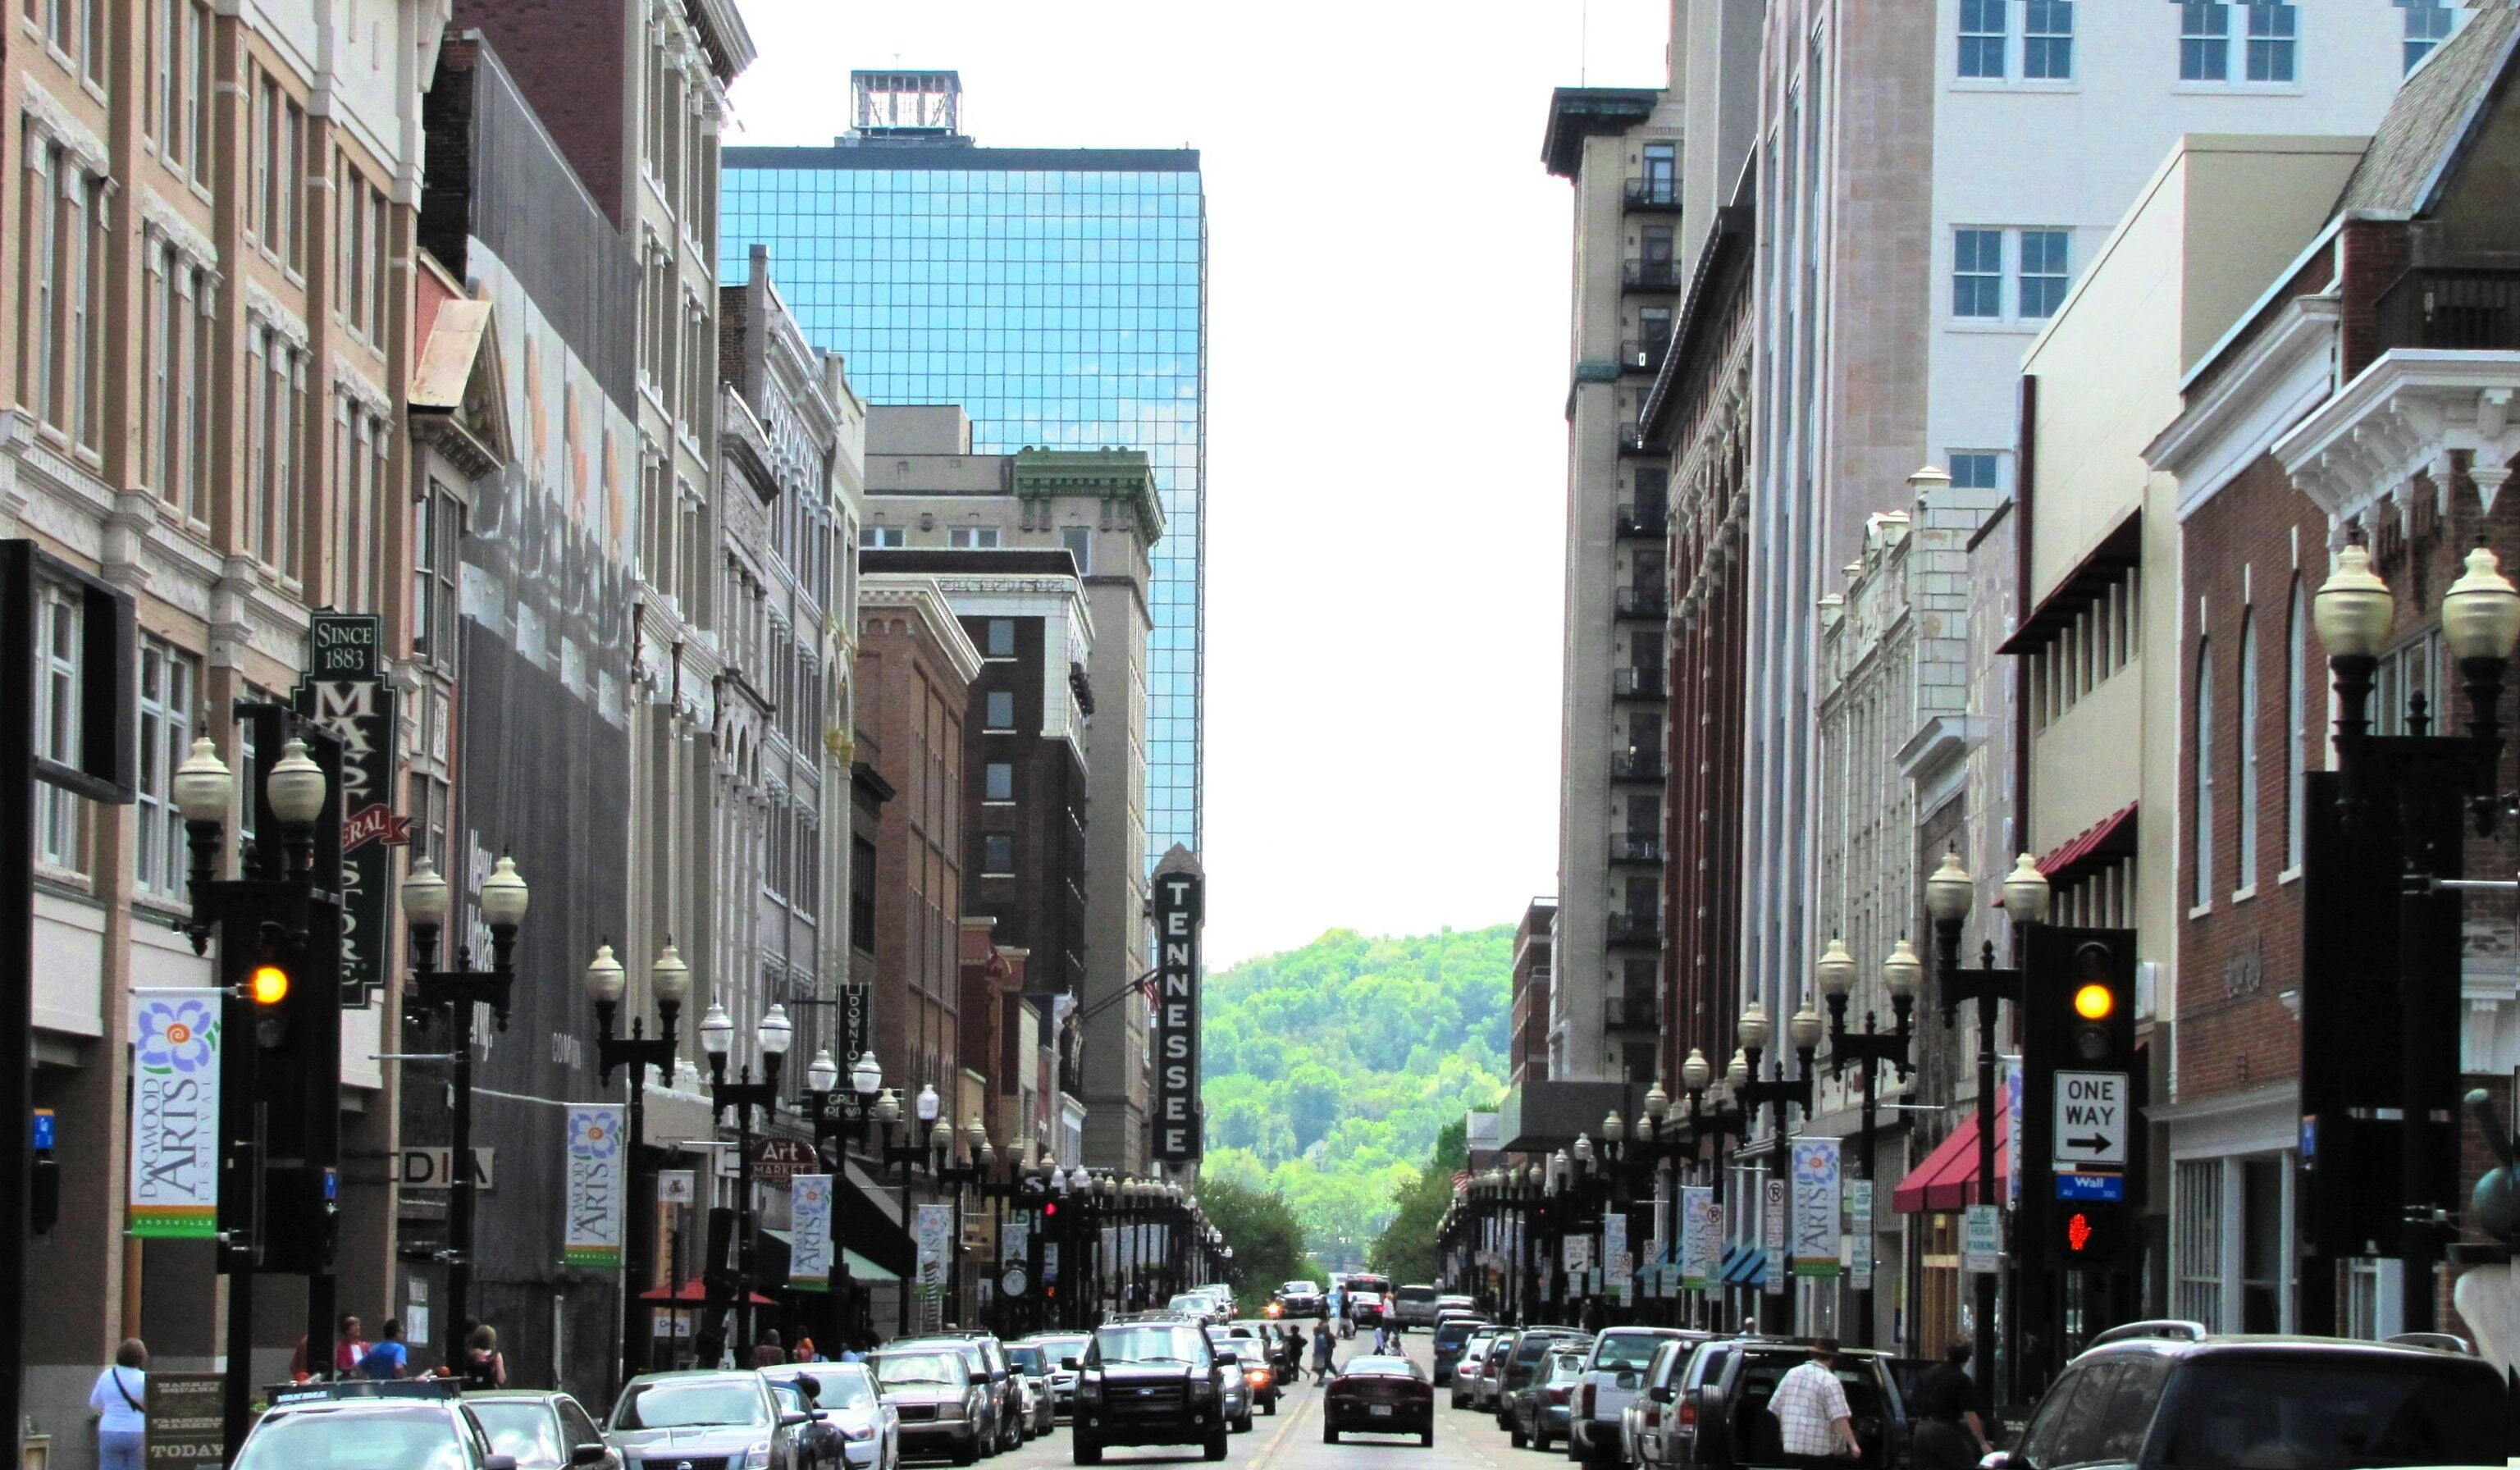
770 1037
452 996
2430 777
1949 895
1753 1032
1901 975
669 981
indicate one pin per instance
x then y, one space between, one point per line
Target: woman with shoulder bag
484 1366
121 1400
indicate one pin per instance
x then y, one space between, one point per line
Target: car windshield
1060 1348
1564 1367
526 1428
1624 1352
892 1369
1416 1293
1152 1342
836 1385
668 1404
420 1440
2294 1414
1300 1289
1400 1368
1453 1334
1190 1302
1028 1358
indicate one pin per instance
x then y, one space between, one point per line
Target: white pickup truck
1613 1374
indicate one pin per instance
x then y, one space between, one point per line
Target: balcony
1636 684
1650 194
2451 310
1637 765
1650 275
1630 847
1644 354
1651 521
1632 931
1633 440
1631 1013
1646 604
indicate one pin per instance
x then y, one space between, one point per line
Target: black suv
1149 1383
1732 1423
2169 1393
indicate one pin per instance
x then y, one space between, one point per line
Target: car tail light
1558 1396
1688 1417
1587 1400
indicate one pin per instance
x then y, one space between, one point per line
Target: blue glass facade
1058 296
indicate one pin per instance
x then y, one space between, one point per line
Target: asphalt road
1293 1440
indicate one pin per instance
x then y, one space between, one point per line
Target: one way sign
2091 1120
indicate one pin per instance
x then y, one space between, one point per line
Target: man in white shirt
1812 1417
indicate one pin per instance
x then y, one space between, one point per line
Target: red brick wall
572 59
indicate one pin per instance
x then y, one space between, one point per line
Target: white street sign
2091 1120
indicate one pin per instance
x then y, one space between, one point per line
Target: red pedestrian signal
2078 1231
1050 1210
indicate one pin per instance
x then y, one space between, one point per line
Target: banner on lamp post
1817 1207
1702 1237
593 1209
1015 1240
174 1117
932 1228
1859 1232
809 1216
1618 1272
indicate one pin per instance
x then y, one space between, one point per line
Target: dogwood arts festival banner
1817 1210
809 1223
174 1117
593 1208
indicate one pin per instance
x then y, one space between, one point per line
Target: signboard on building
593 1213
853 1009
1859 1234
175 1116
1816 1206
1776 1205
420 1167
809 1216
676 1186
344 692
1015 1241
1618 1271
1177 903
777 1161
1982 1240
186 1426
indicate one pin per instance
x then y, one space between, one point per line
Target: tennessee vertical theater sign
1178 892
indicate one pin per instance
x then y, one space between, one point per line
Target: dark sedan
1379 1396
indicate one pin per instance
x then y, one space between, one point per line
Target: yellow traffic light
269 985
2094 1002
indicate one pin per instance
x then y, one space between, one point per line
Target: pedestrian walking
1949 1433
1813 1422
386 1358
1323 1346
120 1402
1291 1355
767 1352
484 1366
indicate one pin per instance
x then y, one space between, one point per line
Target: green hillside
1332 1069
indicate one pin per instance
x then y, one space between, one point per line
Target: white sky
1387 376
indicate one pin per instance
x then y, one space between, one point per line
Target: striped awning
1744 1265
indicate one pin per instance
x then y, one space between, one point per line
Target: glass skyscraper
1057 294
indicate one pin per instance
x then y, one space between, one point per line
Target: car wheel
1216 1445
967 1453
1329 1436
1521 1440
1425 1439
1088 1453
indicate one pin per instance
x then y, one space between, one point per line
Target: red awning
1948 1178
691 1294
2113 836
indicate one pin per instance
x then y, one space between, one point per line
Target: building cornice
2282 374
904 591
2404 416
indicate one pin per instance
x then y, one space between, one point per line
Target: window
1000 784
1977 272
433 571
1978 469
2247 743
861 894
167 698
879 538
2044 274
2204 40
2272 40
1079 541
2201 836
196 89
43 199
1983 37
997 855
971 538
1002 638
2196 1242
2427 27
61 819
2409 678
82 279
2296 723
2048 41
1000 710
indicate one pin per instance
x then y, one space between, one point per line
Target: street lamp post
771 1038
1902 974
1753 1032
669 980
456 995
1949 895
2433 775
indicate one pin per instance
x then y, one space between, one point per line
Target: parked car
1540 1407
1732 1425
1260 1343
542 1429
942 1399
867 1428
1235 1380
1658 1419
1194 1306
1465 1369
1149 1383
325 1427
1379 1396
1368 1298
1523 1362
1451 1336
1414 1306
819 1442
988 1358
733 1417
1054 1386
1488 1387
1452 1304
1613 1372
2173 1394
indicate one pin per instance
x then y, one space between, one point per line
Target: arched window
2201 834
2296 723
2246 739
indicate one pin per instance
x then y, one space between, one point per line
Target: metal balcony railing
1631 1013
1644 521
1630 930
1636 765
1628 847
1655 274
1644 354
1633 440
1647 602
2453 310
1650 192
1637 683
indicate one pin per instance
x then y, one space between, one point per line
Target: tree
1405 1251
1267 1241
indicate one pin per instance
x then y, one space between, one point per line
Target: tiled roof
2432 117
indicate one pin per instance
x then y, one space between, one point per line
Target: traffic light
2082 1097
2089 1235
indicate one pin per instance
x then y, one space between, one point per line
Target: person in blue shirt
388 1359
